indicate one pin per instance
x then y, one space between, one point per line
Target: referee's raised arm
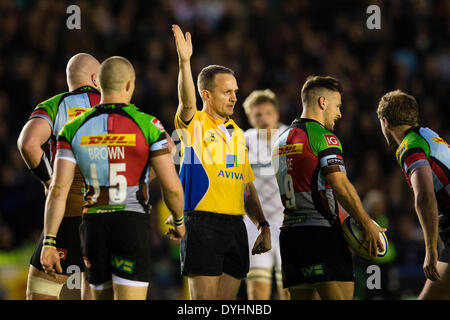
186 89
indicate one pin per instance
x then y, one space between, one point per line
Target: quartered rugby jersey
214 167
302 157
260 157
422 146
112 145
57 111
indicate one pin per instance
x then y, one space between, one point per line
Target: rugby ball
354 235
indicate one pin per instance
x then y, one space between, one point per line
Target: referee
216 176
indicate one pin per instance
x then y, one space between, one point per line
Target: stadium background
270 44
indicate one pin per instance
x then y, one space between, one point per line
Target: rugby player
425 161
261 107
45 122
114 144
216 174
309 167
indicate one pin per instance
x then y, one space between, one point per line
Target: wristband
49 241
43 171
265 223
178 222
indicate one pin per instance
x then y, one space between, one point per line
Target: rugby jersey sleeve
158 139
47 109
329 153
64 144
412 154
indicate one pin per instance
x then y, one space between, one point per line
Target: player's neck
307 114
114 97
75 86
398 133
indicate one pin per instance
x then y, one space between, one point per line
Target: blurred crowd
269 44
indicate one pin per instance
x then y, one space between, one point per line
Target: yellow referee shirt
214 166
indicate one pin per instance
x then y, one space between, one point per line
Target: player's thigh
228 287
125 289
86 292
41 286
283 293
259 282
304 291
103 291
259 290
436 290
335 290
203 287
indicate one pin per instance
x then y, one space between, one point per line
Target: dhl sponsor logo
288 150
128 139
75 112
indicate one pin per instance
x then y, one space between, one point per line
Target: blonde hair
258 97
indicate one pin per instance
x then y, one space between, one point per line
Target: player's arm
172 191
54 213
186 89
427 212
256 215
34 134
347 196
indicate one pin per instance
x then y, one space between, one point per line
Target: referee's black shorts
214 244
116 243
67 244
311 254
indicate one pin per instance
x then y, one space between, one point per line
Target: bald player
114 145
40 133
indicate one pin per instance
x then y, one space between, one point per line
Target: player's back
112 145
57 111
302 156
424 145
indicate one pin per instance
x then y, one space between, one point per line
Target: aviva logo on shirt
230 175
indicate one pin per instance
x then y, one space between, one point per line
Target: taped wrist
178 222
43 171
49 241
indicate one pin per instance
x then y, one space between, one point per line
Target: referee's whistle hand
50 260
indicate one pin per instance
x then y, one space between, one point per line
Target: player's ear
128 85
385 122
322 102
94 80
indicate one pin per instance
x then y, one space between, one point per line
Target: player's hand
263 242
50 260
177 232
184 44
430 264
372 239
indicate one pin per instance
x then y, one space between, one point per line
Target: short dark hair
319 82
205 80
399 108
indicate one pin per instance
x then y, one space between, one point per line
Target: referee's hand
263 242
49 260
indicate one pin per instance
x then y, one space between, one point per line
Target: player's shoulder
413 142
320 137
149 124
52 102
252 132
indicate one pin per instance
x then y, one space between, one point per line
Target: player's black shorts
116 243
214 244
311 254
67 243
444 235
